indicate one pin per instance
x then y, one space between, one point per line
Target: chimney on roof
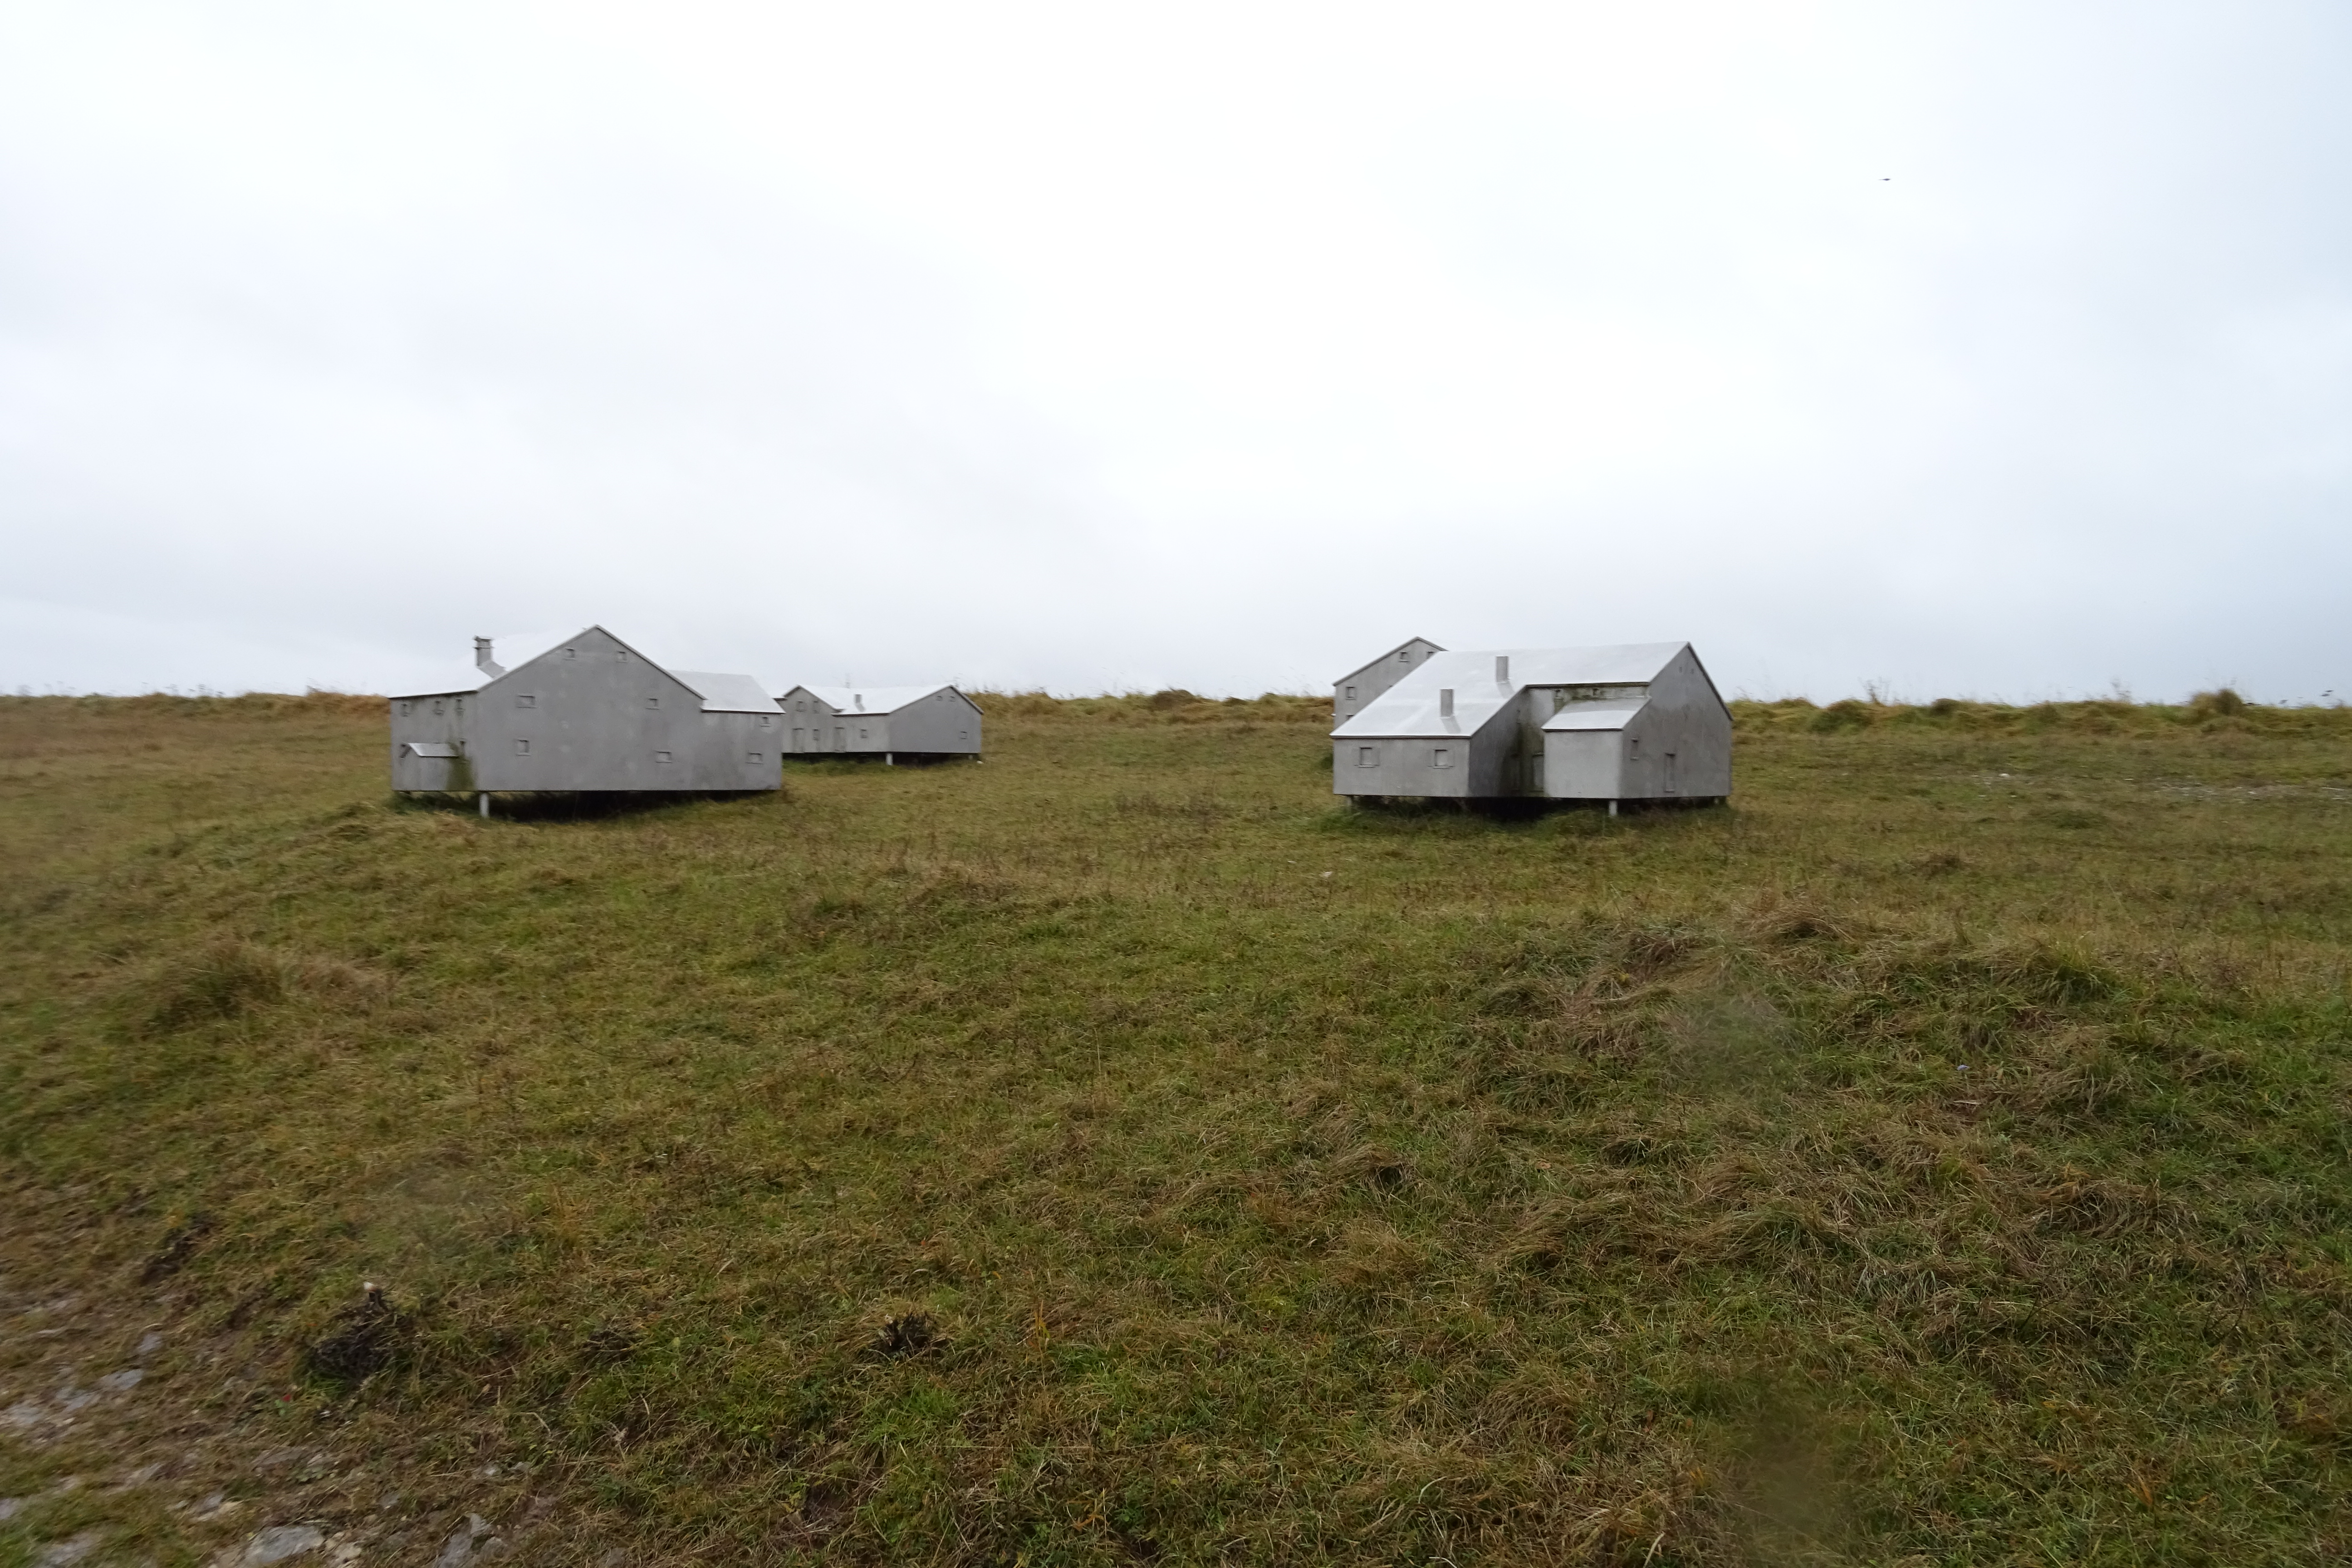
1445 702
858 699
1502 669
484 662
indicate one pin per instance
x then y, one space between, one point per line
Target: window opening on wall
526 701
571 653
522 748
1368 756
751 757
408 708
653 701
1351 694
1442 758
661 756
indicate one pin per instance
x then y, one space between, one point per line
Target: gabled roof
1411 706
873 700
1385 658
720 693
727 693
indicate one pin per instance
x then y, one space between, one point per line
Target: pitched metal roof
875 701
727 693
1411 706
721 693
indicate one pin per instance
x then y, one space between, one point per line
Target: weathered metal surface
589 713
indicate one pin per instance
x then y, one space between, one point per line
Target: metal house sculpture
896 723
1636 721
589 713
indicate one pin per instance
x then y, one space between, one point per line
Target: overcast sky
1998 350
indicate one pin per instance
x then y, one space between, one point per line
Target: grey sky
1981 349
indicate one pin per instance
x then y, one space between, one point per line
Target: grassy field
1118 1152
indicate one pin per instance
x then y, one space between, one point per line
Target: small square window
461 705
1404 655
653 701
1442 757
408 708
571 653
862 734
436 708
1351 694
1368 756
763 721
526 701
661 756
522 748
751 757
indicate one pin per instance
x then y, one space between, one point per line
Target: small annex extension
1638 721
896 723
591 713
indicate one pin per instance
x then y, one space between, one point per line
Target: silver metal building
1352 691
896 723
1636 721
589 713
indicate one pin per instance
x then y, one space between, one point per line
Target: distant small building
896 723
1351 691
589 713
1636 721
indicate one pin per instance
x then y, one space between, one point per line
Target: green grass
1121 1152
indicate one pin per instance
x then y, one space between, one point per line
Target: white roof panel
727 693
1410 708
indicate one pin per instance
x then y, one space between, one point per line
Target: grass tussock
1122 1152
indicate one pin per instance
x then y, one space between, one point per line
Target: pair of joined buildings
594 713
1638 721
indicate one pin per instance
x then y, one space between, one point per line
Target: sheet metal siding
1677 746
945 723
1407 764
1584 764
1377 677
594 714
808 720
1692 723
446 719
